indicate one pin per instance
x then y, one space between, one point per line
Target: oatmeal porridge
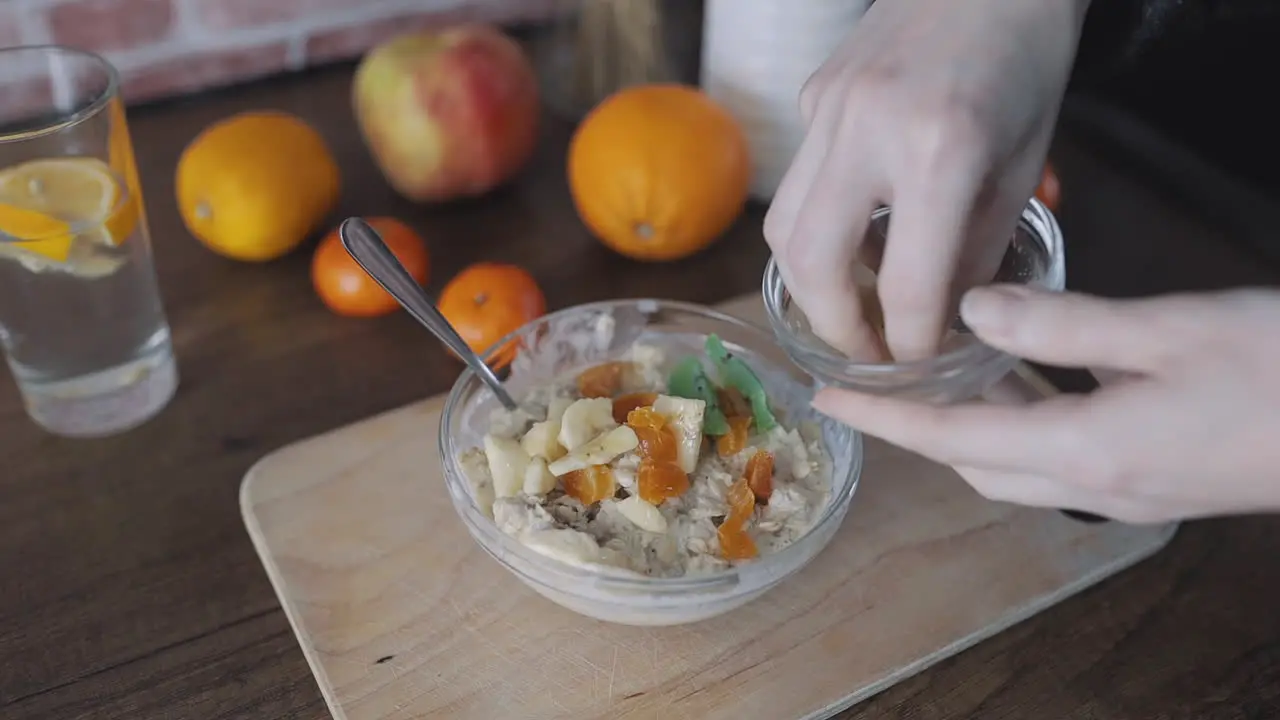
652 465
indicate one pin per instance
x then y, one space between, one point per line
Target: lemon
45 204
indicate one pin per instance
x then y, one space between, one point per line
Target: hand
1189 424
943 110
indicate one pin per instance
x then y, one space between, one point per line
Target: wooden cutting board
401 615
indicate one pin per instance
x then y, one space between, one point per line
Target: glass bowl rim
477 522
1035 217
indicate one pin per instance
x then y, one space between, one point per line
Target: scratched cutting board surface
401 615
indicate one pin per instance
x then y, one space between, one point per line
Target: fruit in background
347 289
447 113
1049 191
659 171
254 186
487 300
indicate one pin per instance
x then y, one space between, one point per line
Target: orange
1049 191
347 289
487 300
659 171
254 186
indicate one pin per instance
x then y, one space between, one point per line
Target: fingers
780 220
926 236
1009 437
822 253
1071 329
1040 491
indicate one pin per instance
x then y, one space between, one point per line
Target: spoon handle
366 246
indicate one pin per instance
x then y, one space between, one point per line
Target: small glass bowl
967 367
570 340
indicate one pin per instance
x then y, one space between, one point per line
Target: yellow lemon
254 186
44 204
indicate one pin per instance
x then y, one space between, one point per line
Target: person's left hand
1189 426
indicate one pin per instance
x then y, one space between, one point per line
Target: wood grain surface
401 615
130 589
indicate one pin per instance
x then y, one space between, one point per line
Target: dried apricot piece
589 485
759 475
646 417
658 445
602 380
658 481
624 404
733 402
735 543
732 442
742 502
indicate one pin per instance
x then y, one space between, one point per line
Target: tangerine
487 301
1049 191
346 289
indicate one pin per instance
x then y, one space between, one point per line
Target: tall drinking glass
81 322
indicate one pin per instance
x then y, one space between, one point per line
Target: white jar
756 55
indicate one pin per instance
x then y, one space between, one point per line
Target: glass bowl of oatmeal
664 466
965 367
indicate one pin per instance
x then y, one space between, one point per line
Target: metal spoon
366 246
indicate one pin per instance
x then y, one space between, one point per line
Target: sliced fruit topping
644 515
590 484
689 380
735 543
601 381
543 437
733 442
732 403
657 481
602 450
735 373
759 475
624 404
687 419
507 464
538 479
584 420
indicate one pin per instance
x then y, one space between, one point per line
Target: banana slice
602 450
643 514
584 420
538 479
685 416
572 547
507 464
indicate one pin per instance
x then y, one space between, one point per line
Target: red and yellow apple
447 113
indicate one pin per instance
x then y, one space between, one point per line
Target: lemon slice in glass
53 208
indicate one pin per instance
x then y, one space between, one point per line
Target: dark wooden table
129 588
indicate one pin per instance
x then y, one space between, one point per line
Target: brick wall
170 47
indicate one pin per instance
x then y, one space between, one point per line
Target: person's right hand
943 110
